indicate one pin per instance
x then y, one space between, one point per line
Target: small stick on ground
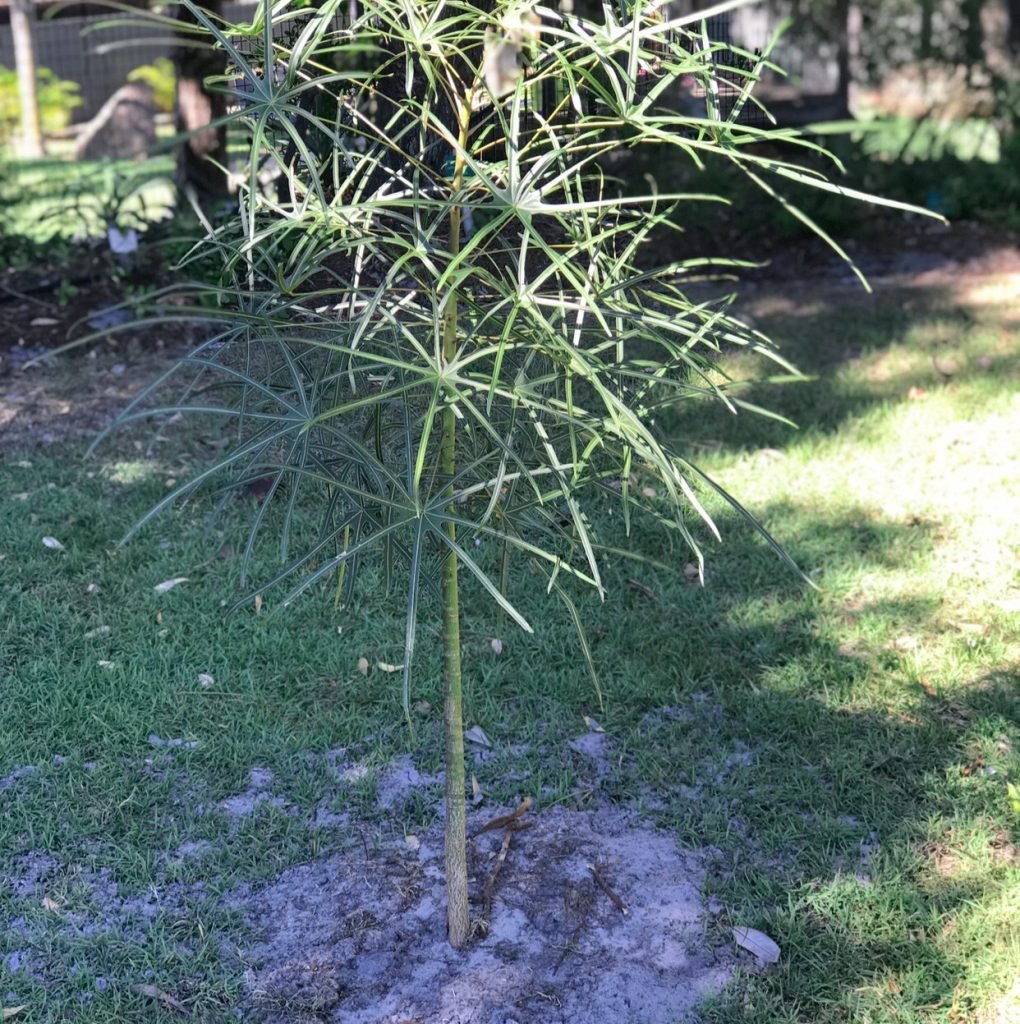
28 298
506 819
489 891
605 887
641 588
490 883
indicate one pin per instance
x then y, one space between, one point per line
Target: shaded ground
73 397
915 251
78 394
850 764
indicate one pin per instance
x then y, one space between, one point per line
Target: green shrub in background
964 170
161 78
58 97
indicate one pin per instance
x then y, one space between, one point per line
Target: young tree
423 385
22 18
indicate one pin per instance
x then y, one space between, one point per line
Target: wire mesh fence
98 51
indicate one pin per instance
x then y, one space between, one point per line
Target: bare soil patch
73 397
595 917
583 913
48 398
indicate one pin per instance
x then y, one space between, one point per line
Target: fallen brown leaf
927 687
259 489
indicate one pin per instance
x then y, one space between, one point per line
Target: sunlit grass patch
57 199
900 500
132 471
897 138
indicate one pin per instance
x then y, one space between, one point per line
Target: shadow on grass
856 802
803 728
849 832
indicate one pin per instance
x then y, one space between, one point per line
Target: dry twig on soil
489 889
605 887
506 819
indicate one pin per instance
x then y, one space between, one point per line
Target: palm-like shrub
440 323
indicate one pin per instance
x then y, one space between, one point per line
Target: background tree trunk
973 34
202 157
1013 8
842 38
22 16
925 48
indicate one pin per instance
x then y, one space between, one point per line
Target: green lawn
881 709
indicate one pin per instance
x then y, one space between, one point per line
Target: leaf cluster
417 188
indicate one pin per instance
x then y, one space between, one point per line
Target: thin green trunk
458 917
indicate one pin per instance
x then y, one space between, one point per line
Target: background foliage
57 100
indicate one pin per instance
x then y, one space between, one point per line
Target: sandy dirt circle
595 917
